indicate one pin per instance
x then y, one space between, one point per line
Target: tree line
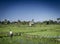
5 21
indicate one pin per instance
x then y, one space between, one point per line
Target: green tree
19 22
0 22
51 22
58 20
46 22
5 21
8 22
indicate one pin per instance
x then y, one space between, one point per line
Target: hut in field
31 22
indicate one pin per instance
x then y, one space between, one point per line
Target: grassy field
38 34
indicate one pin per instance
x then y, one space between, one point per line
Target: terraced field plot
38 34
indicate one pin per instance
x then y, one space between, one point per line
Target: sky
26 10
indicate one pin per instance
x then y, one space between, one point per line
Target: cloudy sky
39 10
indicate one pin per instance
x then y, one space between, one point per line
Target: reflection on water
25 40
39 41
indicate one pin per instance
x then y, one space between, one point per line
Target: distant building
31 22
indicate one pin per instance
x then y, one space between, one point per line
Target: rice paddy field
37 34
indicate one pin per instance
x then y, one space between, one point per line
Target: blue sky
26 10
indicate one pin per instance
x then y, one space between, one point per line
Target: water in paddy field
39 41
25 40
